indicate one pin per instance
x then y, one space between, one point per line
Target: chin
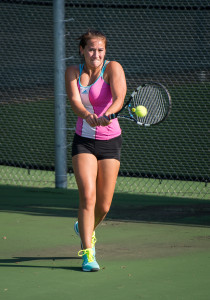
97 63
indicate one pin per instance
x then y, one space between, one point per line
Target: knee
102 209
87 201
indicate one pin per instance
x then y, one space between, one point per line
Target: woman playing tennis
95 89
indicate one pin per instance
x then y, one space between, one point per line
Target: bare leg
85 169
107 175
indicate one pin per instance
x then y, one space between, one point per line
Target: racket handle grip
110 117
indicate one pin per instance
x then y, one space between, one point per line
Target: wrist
106 117
86 116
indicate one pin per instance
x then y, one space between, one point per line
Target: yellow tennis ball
133 109
141 111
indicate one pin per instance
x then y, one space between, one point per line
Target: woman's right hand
92 120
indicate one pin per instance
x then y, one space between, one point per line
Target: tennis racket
152 96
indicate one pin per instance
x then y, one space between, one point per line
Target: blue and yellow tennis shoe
89 263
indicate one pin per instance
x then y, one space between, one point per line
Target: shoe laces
88 252
94 240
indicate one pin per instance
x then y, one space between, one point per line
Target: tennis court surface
149 247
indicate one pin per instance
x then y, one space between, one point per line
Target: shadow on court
125 207
18 262
26 259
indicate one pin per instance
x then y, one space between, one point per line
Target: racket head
157 100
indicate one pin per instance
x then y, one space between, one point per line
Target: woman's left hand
103 121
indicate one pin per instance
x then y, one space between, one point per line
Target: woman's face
94 52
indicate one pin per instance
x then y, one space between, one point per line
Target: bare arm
117 81
71 77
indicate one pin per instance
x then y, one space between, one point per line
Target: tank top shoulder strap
80 71
104 68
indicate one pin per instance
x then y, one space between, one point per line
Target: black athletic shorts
102 149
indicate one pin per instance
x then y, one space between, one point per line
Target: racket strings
155 100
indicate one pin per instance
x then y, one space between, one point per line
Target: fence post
59 94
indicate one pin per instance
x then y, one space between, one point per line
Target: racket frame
127 105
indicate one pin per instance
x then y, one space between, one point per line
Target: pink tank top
97 98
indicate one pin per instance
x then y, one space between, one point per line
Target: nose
96 53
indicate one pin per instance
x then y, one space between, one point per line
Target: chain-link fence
26 87
166 41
